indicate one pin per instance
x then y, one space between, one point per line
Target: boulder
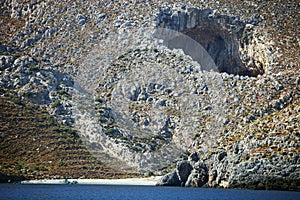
6 62
221 155
194 157
198 176
170 179
183 169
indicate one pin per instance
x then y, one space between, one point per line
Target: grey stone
132 92
170 179
183 169
24 61
6 62
160 102
49 32
236 148
102 16
118 23
297 81
143 96
200 165
197 178
194 157
277 105
146 122
82 22
126 24
199 22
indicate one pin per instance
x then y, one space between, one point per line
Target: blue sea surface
115 192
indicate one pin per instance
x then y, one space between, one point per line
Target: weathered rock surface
145 104
183 170
46 87
227 39
170 179
198 176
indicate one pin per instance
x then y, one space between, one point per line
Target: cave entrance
216 36
221 46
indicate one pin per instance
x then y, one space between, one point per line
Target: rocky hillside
35 146
209 88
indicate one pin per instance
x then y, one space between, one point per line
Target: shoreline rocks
213 172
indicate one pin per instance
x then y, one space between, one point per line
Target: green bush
55 103
63 93
99 100
61 163
18 167
40 168
109 131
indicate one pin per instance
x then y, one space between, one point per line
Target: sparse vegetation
63 93
55 103
61 164
32 135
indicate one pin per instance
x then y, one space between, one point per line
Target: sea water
115 192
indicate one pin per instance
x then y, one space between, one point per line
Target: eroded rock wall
231 42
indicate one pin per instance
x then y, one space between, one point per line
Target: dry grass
32 141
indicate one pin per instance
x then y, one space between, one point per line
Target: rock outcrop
45 87
260 174
229 40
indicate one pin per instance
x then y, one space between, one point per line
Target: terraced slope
35 146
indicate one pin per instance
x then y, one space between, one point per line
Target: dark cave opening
224 38
223 47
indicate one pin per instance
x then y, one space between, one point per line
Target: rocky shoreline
224 175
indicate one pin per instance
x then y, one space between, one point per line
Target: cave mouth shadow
222 43
223 47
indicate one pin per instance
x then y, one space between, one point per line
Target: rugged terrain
35 146
223 111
